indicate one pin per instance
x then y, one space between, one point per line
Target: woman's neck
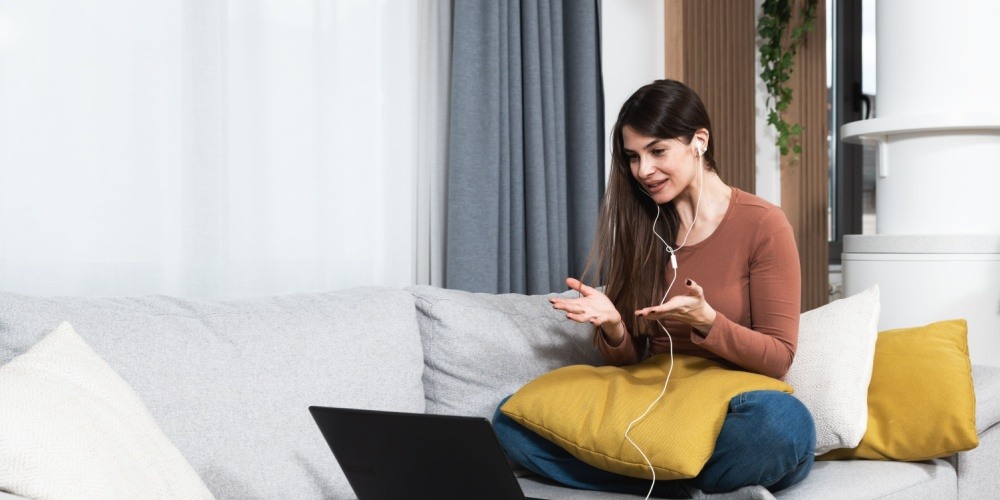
714 204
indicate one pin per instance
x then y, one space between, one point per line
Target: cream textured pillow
70 427
833 367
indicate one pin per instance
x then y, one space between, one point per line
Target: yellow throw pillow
586 410
921 403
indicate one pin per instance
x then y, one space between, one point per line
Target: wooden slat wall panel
710 46
804 196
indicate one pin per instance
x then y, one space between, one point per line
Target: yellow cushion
586 409
921 403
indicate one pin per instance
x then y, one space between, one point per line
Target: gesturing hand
690 308
592 307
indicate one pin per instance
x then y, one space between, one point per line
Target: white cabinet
922 280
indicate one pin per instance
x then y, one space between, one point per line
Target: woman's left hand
690 308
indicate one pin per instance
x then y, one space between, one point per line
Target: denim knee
547 459
509 434
767 438
524 447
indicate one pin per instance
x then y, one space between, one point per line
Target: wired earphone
700 148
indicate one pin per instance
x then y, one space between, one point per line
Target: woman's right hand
592 307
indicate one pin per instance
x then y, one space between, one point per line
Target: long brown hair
626 257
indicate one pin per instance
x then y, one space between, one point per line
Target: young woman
688 260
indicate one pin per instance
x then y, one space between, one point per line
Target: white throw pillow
70 427
833 367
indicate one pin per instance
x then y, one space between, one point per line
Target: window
852 95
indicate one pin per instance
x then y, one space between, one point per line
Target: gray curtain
526 141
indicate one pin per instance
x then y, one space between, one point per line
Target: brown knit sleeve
628 353
768 346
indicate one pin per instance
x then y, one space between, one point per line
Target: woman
695 266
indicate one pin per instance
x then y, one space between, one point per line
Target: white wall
631 55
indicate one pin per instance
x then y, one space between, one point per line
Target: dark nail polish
688 282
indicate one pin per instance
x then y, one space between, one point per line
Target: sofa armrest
986 380
977 468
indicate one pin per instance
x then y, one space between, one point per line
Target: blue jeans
767 439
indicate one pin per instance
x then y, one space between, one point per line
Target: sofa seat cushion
535 486
230 382
870 479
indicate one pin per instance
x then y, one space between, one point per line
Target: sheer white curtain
220 148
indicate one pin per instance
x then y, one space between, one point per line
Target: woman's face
663 167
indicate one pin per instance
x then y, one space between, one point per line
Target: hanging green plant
777 53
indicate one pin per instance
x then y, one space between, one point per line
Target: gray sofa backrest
479 348
230 382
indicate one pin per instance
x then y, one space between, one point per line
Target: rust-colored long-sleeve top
749 271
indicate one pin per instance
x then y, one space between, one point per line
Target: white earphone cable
673 263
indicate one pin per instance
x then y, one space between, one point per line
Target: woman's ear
700 141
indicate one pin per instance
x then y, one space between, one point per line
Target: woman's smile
656 186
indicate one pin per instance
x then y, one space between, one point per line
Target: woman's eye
633 158
658 152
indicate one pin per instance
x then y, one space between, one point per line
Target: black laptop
390 455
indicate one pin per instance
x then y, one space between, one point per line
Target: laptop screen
391 455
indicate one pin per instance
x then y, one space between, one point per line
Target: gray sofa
229 382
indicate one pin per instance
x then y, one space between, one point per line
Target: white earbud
699 147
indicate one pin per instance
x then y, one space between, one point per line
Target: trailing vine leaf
777 55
